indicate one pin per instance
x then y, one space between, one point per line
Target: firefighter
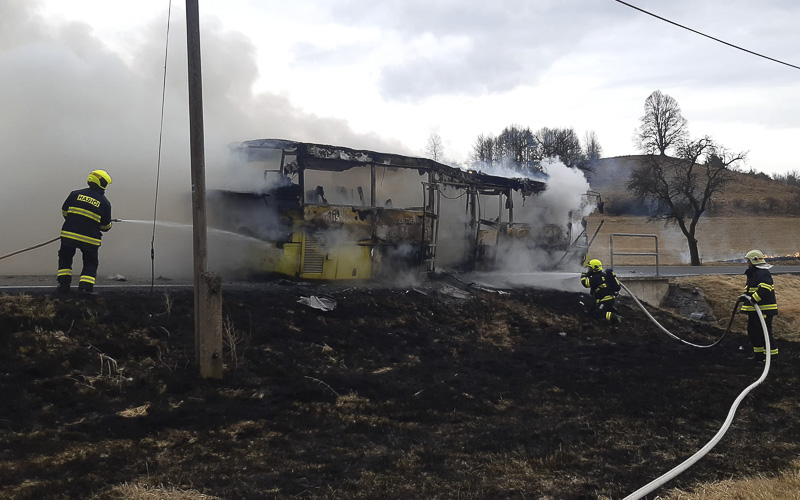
759 290
87 214
605 287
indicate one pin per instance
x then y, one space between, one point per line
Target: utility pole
207 286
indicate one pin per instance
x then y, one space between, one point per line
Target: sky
81 84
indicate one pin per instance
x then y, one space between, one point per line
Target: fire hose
659 481
730 323
29 248
40 244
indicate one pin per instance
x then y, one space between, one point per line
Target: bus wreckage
334 213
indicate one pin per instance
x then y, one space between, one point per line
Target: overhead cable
158 167
707 36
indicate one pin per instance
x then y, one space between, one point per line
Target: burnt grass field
434 391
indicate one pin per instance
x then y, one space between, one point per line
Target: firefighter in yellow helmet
760 290
604 287
87 214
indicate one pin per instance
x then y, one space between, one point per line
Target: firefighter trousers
606 311
756 333
66 253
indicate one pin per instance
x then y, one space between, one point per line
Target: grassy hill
753 212
753 194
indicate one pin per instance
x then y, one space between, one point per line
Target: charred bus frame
373 235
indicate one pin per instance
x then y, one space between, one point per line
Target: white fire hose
30 248
41 244
655 483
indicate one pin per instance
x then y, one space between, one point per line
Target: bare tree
517 146
591 145
434 149
483 150
663 126
564 144
682 188
523 150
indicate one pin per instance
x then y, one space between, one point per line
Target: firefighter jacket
603 285
762 290
87 213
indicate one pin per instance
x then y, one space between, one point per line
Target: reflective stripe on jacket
87 214
761 288
604 285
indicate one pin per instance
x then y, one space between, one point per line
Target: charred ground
432 391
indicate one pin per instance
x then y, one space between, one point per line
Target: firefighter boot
63 285
85 288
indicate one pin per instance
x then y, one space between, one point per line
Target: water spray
41 244
168 224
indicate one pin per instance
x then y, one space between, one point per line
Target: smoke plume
71 105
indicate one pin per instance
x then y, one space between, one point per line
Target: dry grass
750 213
785 486
721 291
23 305
743 195
719 238
140 492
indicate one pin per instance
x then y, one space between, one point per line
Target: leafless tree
483 150
592 148
517 145
662 127
524 150
564 144
682 188
434 149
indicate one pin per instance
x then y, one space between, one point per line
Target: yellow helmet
595 265
755 257
100 178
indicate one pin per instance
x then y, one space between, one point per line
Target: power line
158 167
707 36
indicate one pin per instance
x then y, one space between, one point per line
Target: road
695 270
558 279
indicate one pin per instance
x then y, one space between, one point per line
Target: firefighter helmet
595 265
99 178
755 257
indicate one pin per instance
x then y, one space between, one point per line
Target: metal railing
646 254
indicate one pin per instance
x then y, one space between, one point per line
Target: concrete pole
208 343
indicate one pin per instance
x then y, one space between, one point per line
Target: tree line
524 150
680 176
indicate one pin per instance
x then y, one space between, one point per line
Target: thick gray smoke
555 214
71 105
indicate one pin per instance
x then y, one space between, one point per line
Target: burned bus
335 213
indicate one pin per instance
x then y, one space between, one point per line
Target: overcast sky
398 70
81 82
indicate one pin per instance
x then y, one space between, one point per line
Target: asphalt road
558 279
695 270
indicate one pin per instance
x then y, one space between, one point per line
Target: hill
434 391
752 194
753 212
